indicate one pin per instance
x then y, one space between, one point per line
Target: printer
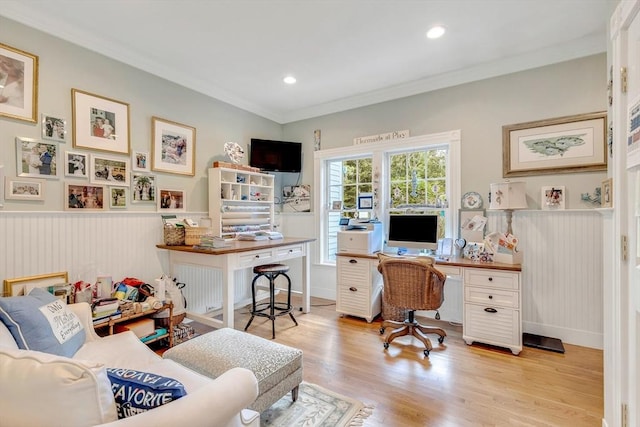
358 237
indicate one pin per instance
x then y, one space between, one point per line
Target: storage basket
173 236
193 234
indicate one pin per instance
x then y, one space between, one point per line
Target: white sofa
44 389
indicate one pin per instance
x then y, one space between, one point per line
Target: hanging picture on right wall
607 193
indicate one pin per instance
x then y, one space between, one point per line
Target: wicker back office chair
411 284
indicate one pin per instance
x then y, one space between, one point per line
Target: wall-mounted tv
277 156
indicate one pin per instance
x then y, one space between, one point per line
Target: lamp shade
508 196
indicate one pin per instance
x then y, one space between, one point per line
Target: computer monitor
413 231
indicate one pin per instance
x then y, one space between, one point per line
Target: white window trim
379 150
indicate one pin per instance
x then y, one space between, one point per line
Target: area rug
316 407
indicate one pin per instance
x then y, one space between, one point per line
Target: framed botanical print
100 123
173 147
19 82
37 159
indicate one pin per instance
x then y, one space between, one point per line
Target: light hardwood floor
456 386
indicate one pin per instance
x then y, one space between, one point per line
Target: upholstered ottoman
277 367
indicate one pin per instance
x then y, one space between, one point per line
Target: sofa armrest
218 403
83 311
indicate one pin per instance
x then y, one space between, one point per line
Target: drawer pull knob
491 279
353 289
290 250
490 310
353 261
257 256
490 296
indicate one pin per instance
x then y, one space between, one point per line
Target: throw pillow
40 389
39 321
137 392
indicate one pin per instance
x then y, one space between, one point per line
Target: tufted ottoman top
218 351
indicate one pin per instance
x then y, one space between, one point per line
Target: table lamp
508 196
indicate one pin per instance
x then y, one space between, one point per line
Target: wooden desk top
454 262
235 246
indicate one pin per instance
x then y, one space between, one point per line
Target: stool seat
271 309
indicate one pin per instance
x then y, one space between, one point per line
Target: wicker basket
193 234
173 236
390 312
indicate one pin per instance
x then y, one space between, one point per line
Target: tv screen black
277 156
413 231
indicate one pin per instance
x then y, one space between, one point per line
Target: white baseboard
566 335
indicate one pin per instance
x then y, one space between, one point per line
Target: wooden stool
268 309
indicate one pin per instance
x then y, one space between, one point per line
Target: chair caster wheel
441 340
386 345
426 353
381 331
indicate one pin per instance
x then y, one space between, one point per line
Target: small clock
472 200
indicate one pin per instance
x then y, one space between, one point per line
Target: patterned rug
316 407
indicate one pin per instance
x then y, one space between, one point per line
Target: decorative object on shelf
54 128
37 159
607 193
552 198
562 145
100 123
471 223
19 98
595 199
508 196
173 147
24 189
472 200
234 151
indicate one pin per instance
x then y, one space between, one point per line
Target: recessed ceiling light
289 80
435 32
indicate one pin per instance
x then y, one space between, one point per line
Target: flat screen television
277 156
413 231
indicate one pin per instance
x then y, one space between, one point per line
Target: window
418 174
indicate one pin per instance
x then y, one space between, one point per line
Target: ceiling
344 53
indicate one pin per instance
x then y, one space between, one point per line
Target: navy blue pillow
137 392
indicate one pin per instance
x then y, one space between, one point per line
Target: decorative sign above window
399 134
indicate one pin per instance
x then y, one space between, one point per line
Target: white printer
360 237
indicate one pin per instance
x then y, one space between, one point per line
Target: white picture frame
140 161
117 197
76 164
24 189
37 159
54 128
143 188
114 171
171 200
552 198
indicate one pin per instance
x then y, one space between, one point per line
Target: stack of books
105 309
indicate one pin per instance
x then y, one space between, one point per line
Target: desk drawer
287 252
451 271
497 297
493 278
254 258
498 326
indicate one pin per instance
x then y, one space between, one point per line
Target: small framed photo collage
91 150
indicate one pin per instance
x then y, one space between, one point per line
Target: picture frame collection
101 170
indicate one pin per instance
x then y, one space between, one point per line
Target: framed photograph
24 189
552 198
85 197
563 145
173 147
76 164
37 159
109 170
296 198
336 205
365 201
23 285
140 161
117 198
19 83
143 188
54 128
607 193
100 123
171 201
471 223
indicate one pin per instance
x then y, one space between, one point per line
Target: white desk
241 255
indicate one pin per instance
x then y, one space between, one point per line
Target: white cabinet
492 308
239 201
359 285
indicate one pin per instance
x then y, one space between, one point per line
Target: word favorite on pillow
137 392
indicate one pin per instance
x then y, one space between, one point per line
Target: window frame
379 152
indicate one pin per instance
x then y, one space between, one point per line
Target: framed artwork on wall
140 161
143 188
85 197
19 78
24 189
171 200
37 159
76 164
54 128
607 193
117 198
99 123
173 147
109 170
552 198
17 286
562 145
